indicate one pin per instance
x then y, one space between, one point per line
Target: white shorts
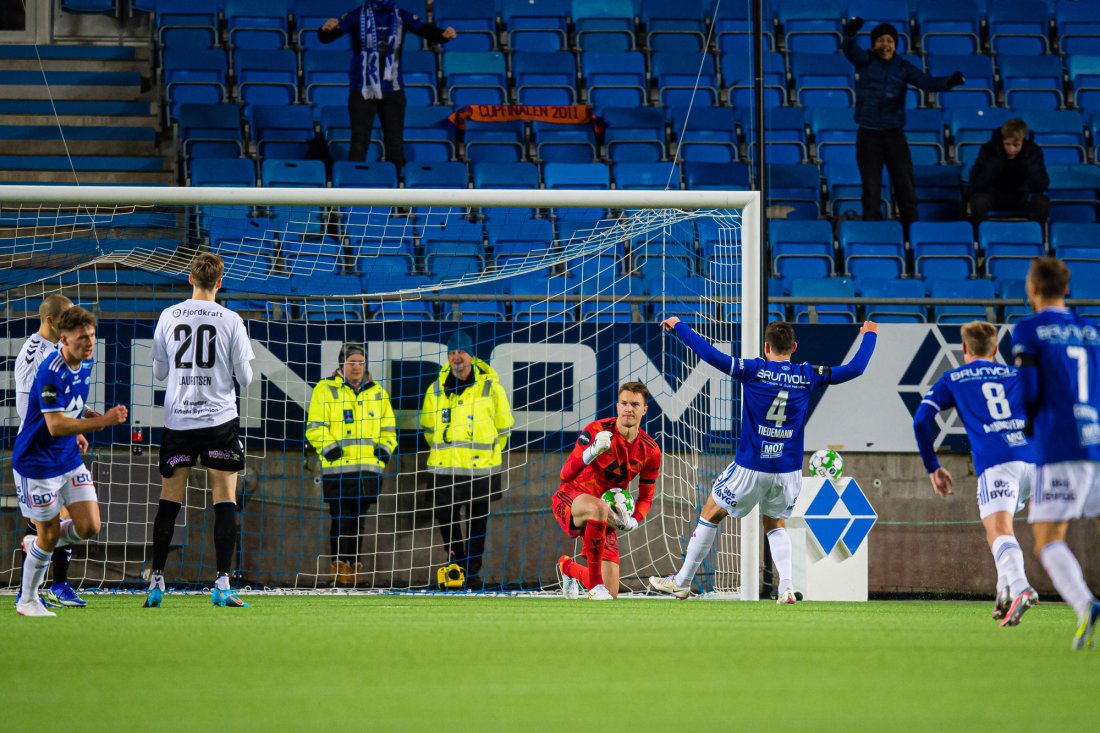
1065 491
739 489
41 498
1005 487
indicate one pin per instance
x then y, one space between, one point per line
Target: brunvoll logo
840 515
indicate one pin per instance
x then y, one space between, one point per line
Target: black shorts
220 448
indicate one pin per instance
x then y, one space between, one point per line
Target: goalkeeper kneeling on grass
352 428
608 454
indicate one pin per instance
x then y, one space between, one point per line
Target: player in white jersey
199 346
36 348
1058 353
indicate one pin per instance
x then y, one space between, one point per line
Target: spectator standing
377 30
1009 174
352 428
884 78
466 420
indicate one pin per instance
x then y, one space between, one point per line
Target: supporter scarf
368 37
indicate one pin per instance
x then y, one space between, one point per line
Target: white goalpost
560 292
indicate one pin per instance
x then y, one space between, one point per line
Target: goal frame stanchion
749 203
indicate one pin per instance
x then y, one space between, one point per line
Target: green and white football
619 497
827 463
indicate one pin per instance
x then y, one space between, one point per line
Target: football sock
164 526
701 541
594 536
35 565
1065 572
68 535
225 535
1010 563
222 583
780 543
61 558
1002 582
576 571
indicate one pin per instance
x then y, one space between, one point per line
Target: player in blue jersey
989 399
46 459
767 468
1058 353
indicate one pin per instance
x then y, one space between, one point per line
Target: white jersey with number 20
203 345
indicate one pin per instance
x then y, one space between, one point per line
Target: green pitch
396 663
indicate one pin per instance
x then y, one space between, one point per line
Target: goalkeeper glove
599 446
623 521
851 28
333 453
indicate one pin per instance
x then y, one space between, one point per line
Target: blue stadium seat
403 310
979 90
1073 193
505 175
325 77
634 134
385 269
872 249
293 173
946 287
734 25
811 26
878 287
646 176
1031 82
737 78
1084 79
802 249
210 131
845 188
1061 133
715 176
1078 28
282 132
436 175
221 172
796 186
1075 240
704 134
308 18
194 76
1020 27
187 24
346 174
832 287
537 25
942 249
458 237
266 77
949 26
615 79
497 142
519 241
257 24
1086 288
823 80
453 267
676 26
939 192
1016 291
1009 247
475 77
604 25
786 142
545 78
684 79
576 176
564 143
429 138
834 131
973 127
475 21
477 310
924 130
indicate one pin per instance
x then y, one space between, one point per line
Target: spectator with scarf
377 31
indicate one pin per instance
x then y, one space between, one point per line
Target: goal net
558 293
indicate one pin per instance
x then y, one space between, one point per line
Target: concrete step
70 85
147 120
73 51
107 178
88 147
119 163
144 68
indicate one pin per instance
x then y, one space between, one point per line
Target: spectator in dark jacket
1009 175
377 30
880 113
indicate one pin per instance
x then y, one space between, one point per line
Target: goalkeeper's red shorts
561 504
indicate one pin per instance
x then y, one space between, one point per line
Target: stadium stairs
78 113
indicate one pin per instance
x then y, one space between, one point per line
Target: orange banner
571 114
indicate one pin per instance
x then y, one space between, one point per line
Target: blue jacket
880 90
383 18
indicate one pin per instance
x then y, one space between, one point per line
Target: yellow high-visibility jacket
360 423
468 430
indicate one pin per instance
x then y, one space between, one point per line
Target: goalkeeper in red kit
608 454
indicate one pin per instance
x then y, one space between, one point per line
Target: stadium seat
429 138
1014 291
293 173
1061 134
564 143
266 77
419 71
475 77
281 131
257 24
684 79
194 76
715 176
1073 193
873 249
797 187
823 80
949 26
875 287
737 79
1031 82
498 142
832 287
436 175
845 188
786 142
973 127
676 26
604 25
1084 79
704 134
802 249
646 176
222 172
1075 240
537 25
946 287
308 18
811 26
545 78
346 174
505 175
475 21
1020 28
1009 247
942 249
924 130
939 192
978 92
834 131
1085 288
634 134
210 131
615 79
1078 28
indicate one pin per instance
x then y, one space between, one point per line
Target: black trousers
349 496
875 148
469 495
1036 205
391 110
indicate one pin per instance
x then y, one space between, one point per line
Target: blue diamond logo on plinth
842 516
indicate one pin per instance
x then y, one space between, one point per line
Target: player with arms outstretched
989 400
49 472
1058 353
608 454
199 346
767 468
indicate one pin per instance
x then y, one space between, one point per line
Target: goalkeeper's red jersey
617 467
